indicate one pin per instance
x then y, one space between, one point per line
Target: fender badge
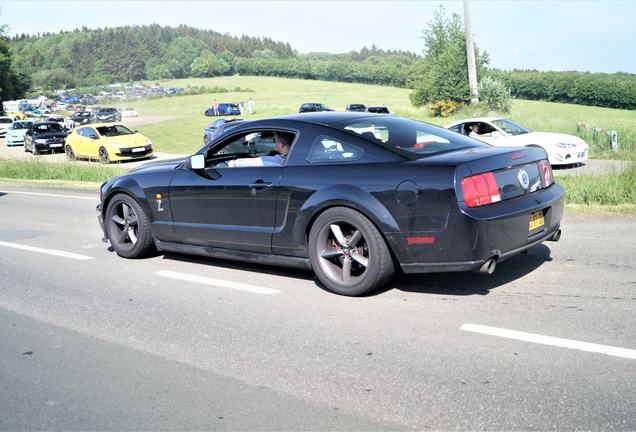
159 208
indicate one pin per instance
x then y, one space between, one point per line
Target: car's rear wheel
70 154
103 155
348 253
128 227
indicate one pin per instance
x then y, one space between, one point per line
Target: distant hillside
133 53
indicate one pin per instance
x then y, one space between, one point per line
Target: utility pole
470 56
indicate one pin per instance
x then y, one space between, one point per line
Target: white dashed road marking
51 195
217 282
548 340
45 251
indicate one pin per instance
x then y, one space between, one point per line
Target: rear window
410 138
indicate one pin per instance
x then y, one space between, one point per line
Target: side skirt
258 258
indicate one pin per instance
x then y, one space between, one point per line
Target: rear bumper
474 265
470 237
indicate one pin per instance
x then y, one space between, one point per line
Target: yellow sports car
107 142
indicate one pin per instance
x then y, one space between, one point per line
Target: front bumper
569 156
100 220
130 153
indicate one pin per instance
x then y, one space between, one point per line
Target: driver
282 141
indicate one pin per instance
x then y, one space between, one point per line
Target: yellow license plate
536 220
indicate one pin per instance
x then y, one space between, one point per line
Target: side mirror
197 162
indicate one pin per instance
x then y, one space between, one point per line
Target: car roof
475 119
103 124
327 118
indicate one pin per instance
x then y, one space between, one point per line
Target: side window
81 132
254 148
456 128
328 149
90 133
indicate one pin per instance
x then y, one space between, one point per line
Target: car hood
163 165
49 135
135 140
545 138
16 132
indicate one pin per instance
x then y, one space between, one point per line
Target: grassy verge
615 189
52 172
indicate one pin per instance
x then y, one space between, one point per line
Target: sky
594 36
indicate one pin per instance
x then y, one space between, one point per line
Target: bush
443 108
495 95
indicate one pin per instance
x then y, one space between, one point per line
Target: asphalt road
93 341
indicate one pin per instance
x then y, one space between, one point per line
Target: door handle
260 184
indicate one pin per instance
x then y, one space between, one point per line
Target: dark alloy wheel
128 227
348 253
103 155
70 154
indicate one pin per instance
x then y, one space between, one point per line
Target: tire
128 227
348 253
103 156
70 154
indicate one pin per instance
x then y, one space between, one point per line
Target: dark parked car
107 115
313 107
224 109
378 109
83 117
44 137
356 108
357 195
215 128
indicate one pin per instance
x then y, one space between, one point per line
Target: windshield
409 137
47 128
510 127
114 130
20 125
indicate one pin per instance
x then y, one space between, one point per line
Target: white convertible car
562 149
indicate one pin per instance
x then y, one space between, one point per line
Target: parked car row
356 107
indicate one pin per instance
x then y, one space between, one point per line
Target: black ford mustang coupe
357 196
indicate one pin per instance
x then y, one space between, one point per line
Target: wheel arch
350 197
128 187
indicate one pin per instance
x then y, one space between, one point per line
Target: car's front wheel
348 253
70 154
128 227
103 156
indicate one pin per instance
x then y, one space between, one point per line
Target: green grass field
280 96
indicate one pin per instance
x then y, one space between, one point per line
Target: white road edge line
217 282
45 251
548 340
49 195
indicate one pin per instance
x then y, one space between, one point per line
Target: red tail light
546 172
480 189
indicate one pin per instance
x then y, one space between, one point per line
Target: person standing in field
215 105
251 105
242 106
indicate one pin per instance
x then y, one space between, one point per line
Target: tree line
100 56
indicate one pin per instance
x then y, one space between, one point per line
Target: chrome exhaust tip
489 266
